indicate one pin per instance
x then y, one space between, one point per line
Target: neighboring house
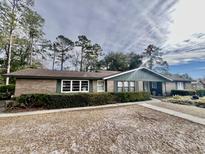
50 82
198 84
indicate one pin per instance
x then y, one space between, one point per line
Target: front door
156 88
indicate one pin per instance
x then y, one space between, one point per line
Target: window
132 87
180 86
100 86
119 86
66 86
154 85
74 86
84 85
125 86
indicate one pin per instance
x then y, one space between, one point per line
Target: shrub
200 93
7 88
6 91
186 100
33 100
79 99
132 96
183 92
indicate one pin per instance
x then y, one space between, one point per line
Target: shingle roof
45 73
176 77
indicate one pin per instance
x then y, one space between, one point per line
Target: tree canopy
23 44
152 59
119 61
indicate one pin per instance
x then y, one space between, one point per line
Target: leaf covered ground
130 129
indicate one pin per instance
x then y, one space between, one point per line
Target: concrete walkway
146 104
3 115
175 113
187 109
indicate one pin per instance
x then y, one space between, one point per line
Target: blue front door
156 88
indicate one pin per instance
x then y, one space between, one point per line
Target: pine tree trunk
54 59
62 57
31 52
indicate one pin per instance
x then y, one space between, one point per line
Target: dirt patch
131 129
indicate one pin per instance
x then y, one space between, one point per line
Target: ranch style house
51 82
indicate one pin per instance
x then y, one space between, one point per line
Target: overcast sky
177 26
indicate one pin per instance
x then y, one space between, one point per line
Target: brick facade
94 88
170 86
28 86
110 86
187 85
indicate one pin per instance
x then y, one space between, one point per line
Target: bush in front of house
132 96
183 92
200 93
78 100
6 91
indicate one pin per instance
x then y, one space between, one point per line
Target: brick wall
28 86
110 86
94 88
187 85
170 86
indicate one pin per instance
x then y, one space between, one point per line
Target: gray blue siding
139 75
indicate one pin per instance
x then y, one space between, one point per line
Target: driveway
128 129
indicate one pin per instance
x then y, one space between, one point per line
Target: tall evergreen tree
63 46
153 59
92 57
32 24
86 46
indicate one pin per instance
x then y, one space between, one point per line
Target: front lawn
130 129
186 100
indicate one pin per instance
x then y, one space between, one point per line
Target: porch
155 88
141 79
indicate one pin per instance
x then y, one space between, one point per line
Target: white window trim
128 86
103 86
71 86
180 84
132 86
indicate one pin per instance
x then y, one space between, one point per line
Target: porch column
164 88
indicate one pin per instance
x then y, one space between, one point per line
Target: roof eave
112 76
50 77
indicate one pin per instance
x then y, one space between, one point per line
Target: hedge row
78 100
6 91
183 92
7 88
200 93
